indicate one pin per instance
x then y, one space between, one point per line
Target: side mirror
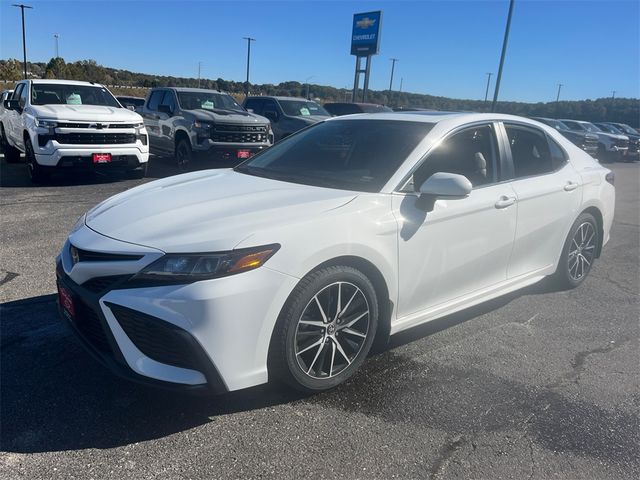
131 107
165 109
443 184
272 115
12 105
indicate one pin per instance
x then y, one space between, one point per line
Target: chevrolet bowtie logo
366 22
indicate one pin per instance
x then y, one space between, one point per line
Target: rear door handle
505 201
571 186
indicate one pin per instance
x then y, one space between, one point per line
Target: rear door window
529 150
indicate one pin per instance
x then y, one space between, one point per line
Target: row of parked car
64 125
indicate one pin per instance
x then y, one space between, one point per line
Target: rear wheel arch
597 214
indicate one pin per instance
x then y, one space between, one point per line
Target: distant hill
623 110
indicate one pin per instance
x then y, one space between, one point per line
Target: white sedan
290 265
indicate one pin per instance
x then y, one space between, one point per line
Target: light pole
613 95
306 81
560 85
504 52
393 66
486 92
249 40
56 37
24 41
401 80
199 67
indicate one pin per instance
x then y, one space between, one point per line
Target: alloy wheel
582 251
332 330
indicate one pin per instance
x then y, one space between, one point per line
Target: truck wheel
36 172
11 154
184 155
139 172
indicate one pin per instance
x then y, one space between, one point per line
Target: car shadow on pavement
55 396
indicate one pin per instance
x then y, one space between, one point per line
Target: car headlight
180 268
201 125
44 123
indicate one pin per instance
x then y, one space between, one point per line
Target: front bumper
218 331
209 150
123 157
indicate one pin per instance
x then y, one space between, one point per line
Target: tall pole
504 52
486 92
306 81
199 67
249 40
56 36
393 65
401 80
613 95
24 40
560 85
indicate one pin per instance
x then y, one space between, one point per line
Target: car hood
613 136
208 211
228 116
92 113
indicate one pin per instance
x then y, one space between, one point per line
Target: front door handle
505 201
571 186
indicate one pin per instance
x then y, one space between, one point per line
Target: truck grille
94 138
621 142
94 125
239 133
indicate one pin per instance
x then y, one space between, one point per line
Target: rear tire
11 154
36 172
578 253
311 354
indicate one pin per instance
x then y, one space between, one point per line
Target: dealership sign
365 36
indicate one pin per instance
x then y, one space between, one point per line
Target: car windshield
626 128
359 155
590 127
64 94
557 124
609 129
302 108
208 101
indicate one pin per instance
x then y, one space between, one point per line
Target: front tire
326 329
184 154
36 172
578 253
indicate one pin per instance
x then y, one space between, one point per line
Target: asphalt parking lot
537 384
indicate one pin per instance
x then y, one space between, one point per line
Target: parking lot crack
444 456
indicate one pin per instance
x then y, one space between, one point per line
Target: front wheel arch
379 283
597 214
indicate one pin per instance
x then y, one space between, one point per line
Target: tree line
623 110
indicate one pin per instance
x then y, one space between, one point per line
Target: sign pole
367 70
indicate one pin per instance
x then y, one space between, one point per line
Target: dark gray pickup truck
192 122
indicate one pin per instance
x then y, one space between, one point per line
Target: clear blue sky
444 47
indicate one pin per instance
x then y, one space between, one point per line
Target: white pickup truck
65 125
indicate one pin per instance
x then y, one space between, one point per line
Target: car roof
276 97
453 118
188 89
65 82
